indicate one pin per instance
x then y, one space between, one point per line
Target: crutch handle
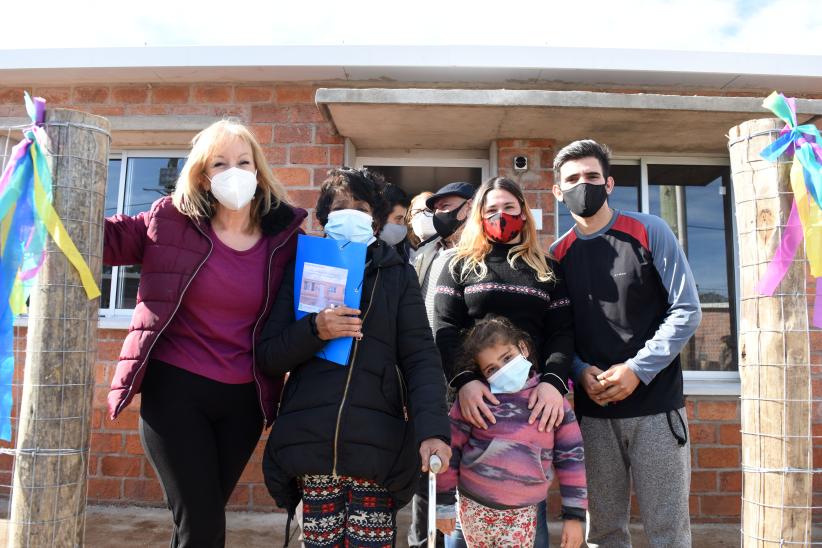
434 464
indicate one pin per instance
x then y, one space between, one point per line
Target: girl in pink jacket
502 473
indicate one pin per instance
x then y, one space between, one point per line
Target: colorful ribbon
26 216
805 221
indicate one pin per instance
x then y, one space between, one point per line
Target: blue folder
322 266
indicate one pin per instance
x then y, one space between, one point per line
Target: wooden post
50 470
774 351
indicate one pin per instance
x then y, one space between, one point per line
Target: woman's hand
472 398
447 525
571 534
546 400
435 446
339 321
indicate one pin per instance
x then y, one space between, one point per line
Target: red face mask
503 227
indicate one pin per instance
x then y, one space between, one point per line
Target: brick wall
300 148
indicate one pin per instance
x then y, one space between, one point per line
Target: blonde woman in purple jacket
502 473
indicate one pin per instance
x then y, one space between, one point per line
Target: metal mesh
43 470
777 345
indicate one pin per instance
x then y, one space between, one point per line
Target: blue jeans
456 540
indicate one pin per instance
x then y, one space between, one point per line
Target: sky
765 26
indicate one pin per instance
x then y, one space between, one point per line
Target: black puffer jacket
366 419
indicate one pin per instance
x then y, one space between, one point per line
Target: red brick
300 114
253 94
324 136
275 155
148 470
504 143
106 443
127 420
147 110
253 473
109 350
170 94
93 466
142 490
729 434
260 497
104 488
240 497
293 134
268 113
107 110
730 482
293 176
718 457
12 96
718 410
130 94
702 433
232 111
294 94
319 175
703 482
212 94
188 110
121 466
303 198
263 133
133 445
53 96
91 94
335 155
308 155
720 505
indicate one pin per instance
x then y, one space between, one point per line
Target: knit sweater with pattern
541 309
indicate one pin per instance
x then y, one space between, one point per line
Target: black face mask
584 199
446 222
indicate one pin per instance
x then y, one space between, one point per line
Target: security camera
520 163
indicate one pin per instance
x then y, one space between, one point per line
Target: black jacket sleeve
285 342
450 318
558 347
420 364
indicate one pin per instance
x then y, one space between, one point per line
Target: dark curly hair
361 184
489 332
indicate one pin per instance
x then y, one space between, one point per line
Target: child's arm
572 534
569 463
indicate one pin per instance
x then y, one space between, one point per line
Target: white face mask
511 377
423 225
393 234
234 188
350 225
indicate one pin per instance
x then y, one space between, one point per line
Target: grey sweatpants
645 452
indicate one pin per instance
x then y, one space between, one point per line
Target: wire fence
780 352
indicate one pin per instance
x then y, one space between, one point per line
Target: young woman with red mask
499 269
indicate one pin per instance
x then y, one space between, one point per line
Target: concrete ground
128 527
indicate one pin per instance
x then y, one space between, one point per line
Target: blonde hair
474 244
415 204
190 196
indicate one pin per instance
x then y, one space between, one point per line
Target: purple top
211 333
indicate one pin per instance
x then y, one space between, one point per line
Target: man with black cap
451 206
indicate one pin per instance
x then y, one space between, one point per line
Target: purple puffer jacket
171 248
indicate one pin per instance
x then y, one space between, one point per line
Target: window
693 195
135 181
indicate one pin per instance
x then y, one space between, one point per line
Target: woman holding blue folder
349 440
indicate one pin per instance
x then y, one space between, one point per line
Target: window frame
696 383
113 317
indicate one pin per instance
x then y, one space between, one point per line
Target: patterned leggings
346 512
485 527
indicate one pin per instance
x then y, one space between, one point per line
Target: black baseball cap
464 190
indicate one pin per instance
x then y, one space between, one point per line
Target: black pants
198 435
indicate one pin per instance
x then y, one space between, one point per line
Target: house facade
425 117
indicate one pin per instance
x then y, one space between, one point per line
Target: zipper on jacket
176 308
402 392
348 378
257 324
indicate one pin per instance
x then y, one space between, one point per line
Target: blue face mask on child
511 377
350 225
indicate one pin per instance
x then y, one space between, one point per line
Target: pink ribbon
782 259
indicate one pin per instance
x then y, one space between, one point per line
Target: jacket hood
282 217
382 255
